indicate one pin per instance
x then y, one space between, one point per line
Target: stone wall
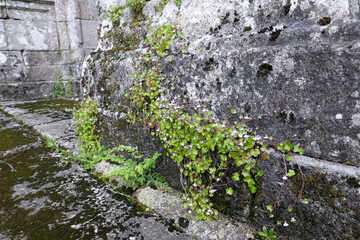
298 57
40 38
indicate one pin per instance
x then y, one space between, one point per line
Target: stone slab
89 33
54 130
169 205
31 35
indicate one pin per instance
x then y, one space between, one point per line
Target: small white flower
285 224
194 185
284 178
212 191
189 211
246 117
257 138
191 204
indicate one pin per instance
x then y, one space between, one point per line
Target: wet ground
45 199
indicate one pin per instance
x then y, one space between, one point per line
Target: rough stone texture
169 205
39 39
333 191
257 56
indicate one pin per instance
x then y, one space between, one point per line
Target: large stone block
89 34
87 10
63 35
3 43
25 35
48 58
34 11
25 91
48 72
12 68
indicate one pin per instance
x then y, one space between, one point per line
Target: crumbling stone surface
256 57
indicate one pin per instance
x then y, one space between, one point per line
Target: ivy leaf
229 191
233 111
288 157
298 149
269 208
305 201
291 173
236 176
293 219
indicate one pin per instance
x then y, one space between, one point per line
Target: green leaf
229 191
291 173
288 157
298 149
290 209
253 189
305 201
271 216
293 220
236 176
269 208
233 111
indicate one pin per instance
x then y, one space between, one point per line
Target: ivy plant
201 143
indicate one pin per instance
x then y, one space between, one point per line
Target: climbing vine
201 143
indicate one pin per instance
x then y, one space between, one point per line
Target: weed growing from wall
132 170
114 13
60 89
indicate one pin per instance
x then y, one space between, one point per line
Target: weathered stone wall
256 56
40 38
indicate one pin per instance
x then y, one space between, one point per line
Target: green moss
317 187
54 104
15 137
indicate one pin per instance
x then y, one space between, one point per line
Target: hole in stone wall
264 70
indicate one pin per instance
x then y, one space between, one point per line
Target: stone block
87 10
34 11
44 58
63 35
31 35
12 68
66 10
25 91
89 33
3 43
46 73
74 32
